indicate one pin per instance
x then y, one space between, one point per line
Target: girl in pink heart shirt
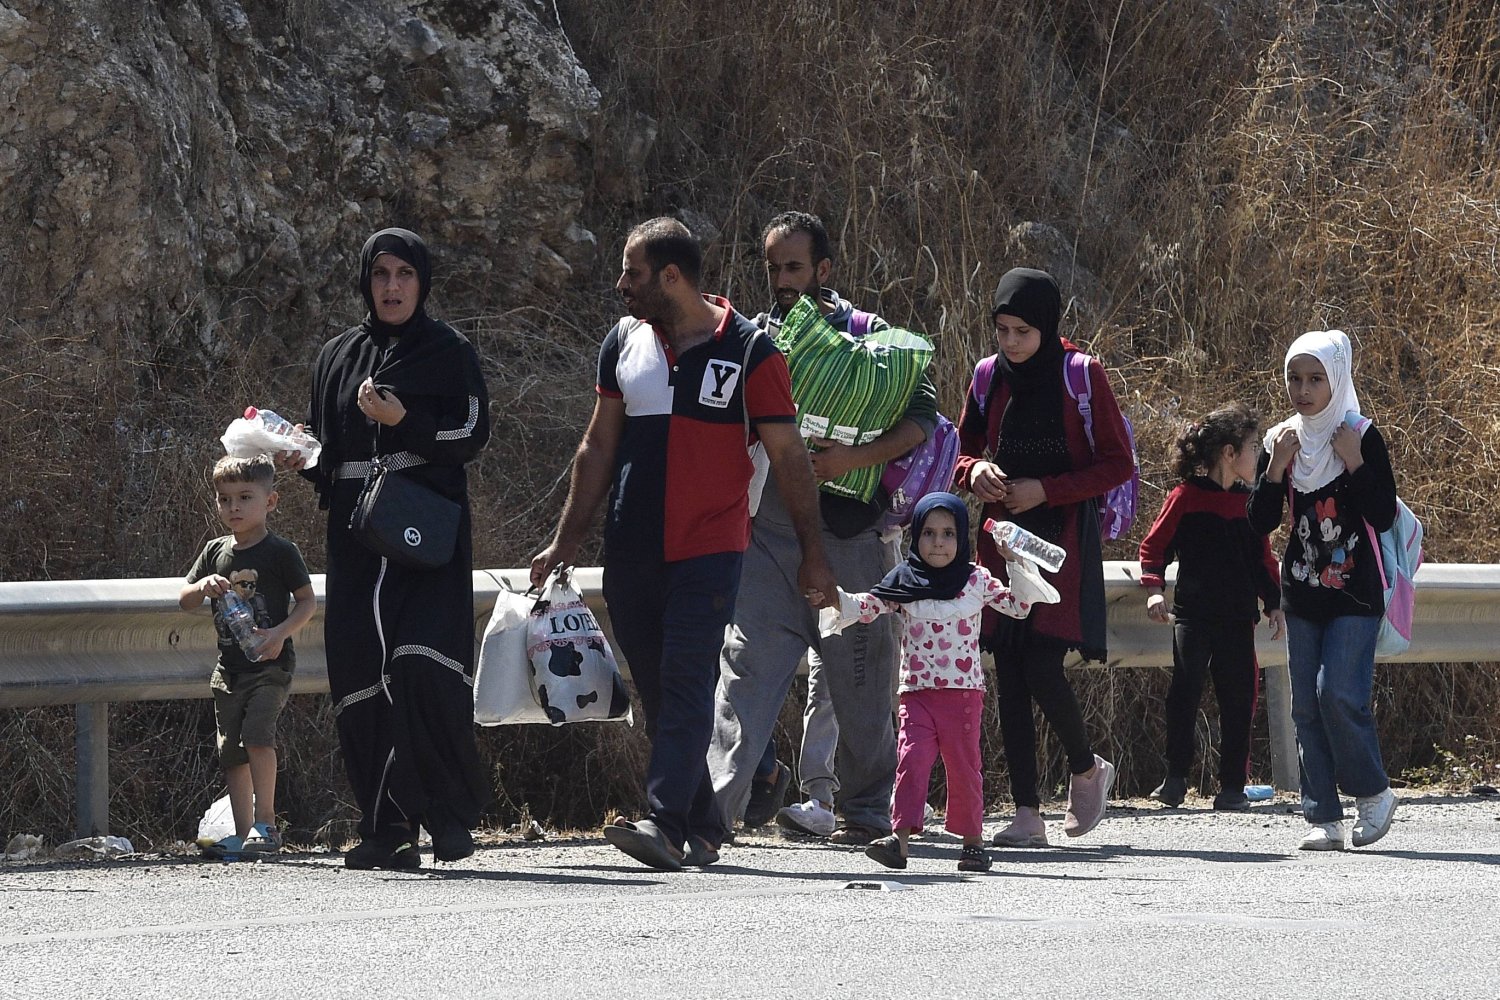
940 595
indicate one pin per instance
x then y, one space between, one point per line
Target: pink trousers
932 722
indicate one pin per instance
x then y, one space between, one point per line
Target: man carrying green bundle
774 626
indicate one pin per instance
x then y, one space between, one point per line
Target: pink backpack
1117 507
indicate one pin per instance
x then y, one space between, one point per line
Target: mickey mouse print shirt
1329 570
940 645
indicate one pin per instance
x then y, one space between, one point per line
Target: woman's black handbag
408 523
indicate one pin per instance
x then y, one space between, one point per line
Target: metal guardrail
91 642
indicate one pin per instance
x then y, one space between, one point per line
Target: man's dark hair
801 222
665 241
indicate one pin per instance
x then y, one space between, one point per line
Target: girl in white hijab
1341 492
1317 462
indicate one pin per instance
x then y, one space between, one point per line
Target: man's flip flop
646 843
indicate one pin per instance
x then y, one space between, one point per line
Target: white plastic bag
1026 583
217 823
261 432
502 679
573 670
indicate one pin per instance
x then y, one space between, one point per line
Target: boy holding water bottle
264 572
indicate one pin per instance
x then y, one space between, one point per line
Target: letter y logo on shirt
719 381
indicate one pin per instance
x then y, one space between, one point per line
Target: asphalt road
1159 903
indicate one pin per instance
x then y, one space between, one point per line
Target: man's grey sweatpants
773 627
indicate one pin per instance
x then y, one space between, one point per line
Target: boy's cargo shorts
246 707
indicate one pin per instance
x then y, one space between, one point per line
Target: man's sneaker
264 839
1232 800
766 797
810 817
1375 814
228 849
1171 792
1026 830
1088 798
1323 837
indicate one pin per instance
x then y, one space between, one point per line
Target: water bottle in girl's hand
261 432
1026 545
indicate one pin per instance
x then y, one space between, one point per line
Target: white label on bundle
814 426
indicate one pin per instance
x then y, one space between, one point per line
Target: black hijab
421 357
408 246
1033 441
914 580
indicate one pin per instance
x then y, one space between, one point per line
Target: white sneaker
1324 837
1375 815
808 817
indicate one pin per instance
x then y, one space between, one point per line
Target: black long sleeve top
1329 570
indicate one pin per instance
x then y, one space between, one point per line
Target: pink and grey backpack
1116 507
1398 556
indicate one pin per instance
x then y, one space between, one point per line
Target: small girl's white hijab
1317 464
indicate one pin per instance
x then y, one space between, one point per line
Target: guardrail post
1284 770
93 768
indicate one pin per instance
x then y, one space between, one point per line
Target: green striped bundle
849 389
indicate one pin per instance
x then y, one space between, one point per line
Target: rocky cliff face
186 187
218 163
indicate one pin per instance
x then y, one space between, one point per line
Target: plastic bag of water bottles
263 432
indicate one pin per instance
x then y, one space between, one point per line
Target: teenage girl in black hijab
400 641
1024 452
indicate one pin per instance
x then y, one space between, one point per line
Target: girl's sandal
974 859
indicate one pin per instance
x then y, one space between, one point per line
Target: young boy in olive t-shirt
267 572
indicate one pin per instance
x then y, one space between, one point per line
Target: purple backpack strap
1076 375
860 322
984 378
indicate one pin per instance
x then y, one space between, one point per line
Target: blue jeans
669 619
1333 677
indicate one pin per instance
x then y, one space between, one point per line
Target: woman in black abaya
400 641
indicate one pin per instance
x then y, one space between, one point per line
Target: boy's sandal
645 842
228 849
263 839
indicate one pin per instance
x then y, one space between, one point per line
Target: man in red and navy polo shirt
684 380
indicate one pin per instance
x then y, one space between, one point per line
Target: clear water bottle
270 420
240 619
1027 545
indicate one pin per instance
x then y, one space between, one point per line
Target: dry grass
1207 178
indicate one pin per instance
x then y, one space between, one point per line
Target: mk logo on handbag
412 537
